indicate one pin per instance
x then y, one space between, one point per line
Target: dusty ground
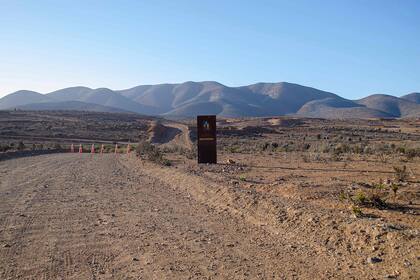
70 216
276 211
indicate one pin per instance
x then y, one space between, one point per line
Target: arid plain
291 198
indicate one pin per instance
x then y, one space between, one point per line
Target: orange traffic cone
92 150
116 149
80 149
72 148
102 148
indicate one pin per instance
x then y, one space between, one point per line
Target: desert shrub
375 197
144 147
412 153
152 153
367 150
401 173
342 148
336 157
324 148
394 188
383 158
377 200
357 212
233 149
188 153
264 146
360 198
4 147
400 150
192 153
357 149
305 146
343 196
21 146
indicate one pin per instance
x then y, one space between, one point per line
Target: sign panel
206 139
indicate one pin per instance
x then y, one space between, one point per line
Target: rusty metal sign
206 139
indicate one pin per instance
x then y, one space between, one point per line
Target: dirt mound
285 122
161 134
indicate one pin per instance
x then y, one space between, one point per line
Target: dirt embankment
339 244
160 134
170 134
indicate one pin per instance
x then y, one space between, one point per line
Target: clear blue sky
352 48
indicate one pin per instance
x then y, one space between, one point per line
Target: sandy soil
71 216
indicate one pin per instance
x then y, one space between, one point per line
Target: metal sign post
206 139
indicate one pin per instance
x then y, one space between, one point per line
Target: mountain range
193 98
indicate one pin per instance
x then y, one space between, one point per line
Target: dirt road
71 216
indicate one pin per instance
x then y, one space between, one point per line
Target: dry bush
21 146
383 158
357 212
401 173
412 153
376 197
152 153
4 148
57 146
188 153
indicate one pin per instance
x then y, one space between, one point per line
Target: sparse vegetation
152 153
360 198
357 212
280 177
401 173
394 188
20 146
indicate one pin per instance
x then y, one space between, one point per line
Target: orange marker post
80 149
102 148
72 148
92 150
128 149
116 149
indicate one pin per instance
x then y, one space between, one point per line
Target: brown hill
193 98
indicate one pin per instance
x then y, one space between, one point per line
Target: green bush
357 211
360 198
